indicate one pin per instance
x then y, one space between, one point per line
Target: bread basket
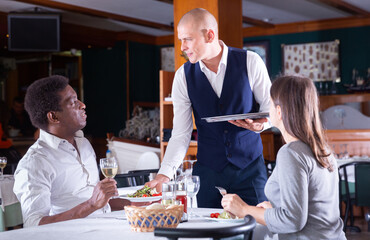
145 220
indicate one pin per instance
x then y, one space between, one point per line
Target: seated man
58 178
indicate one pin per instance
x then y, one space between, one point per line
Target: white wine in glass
109 167
3 162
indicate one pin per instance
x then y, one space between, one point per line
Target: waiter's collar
223 60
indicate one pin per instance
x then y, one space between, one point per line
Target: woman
303 188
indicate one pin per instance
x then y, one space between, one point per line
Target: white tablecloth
6 191
112 225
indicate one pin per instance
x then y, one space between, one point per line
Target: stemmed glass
184 171
187 166
345 154
3 162
193 185
109 167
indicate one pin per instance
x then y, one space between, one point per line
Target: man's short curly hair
42 97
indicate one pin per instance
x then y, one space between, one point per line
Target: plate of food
223 217
145 194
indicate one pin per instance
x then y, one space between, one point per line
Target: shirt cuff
266 125
166 170
32 221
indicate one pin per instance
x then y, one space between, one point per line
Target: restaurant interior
120 58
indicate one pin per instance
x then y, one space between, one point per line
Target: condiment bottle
180 192
168 193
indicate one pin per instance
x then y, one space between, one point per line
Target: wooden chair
216 233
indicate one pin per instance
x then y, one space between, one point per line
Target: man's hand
233 204
103 191
253 125
157 182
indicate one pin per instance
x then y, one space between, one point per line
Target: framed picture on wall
319 61
168 59
262 48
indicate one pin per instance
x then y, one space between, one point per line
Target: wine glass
345 152
187 166
192 188
109 167
3 162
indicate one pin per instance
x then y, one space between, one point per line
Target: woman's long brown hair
297 98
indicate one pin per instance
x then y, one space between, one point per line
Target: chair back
362 189
134 178
216 233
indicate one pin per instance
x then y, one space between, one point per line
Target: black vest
221 143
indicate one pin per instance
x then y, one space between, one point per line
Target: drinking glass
168 193
345 152
187 167
109 167
192 188
3 162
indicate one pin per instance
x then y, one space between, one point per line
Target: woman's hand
264 205
234 205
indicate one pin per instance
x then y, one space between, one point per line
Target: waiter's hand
253 125
157 182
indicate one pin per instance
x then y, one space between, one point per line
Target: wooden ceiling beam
346 7
257 23
97 13
247 20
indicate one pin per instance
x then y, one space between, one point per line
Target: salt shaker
168 193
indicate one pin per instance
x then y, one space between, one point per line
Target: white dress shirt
178 144
53 177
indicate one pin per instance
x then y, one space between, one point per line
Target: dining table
114 225
10 209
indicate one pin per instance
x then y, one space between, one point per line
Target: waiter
218 80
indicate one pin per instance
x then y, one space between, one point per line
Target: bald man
218 80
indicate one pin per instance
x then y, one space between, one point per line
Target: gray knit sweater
304 196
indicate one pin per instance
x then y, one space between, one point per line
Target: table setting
10 210
6 186
135 222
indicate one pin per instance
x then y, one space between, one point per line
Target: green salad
226 215
144 192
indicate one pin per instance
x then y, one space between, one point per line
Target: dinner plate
223 220
141 199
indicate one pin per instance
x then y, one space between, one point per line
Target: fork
222 190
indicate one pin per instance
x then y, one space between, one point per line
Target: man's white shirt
53 177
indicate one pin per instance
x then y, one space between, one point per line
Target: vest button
225 131
227 144
221 106
229 155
